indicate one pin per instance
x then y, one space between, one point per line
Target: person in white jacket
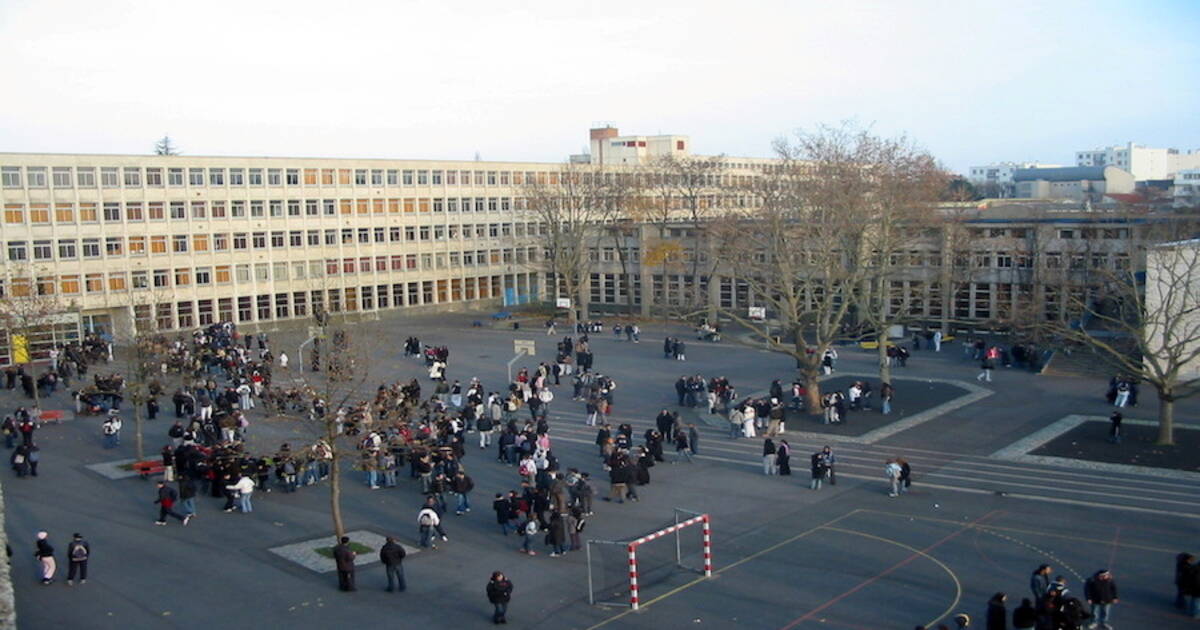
892 472
244 488
427 521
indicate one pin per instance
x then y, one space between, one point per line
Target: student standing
78 552
499 593
392 556
45 555
344 556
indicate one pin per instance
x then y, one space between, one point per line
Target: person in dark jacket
166 505
1039 582
503 509
1101 593
1183 563
997 614
78 552
344 556
1025 616
45 555
557 534
392 556
499 593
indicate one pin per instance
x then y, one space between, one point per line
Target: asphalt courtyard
847 556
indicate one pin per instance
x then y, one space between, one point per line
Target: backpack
79 553
426 519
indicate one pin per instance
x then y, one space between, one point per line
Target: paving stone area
305 554
1089 441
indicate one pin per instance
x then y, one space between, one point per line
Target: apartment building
1143 162
185 241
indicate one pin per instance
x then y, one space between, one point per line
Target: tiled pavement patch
1047 446
305 554
114 469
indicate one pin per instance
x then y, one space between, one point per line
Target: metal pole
633 585
591 588
300 352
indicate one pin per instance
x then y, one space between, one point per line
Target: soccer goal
619 570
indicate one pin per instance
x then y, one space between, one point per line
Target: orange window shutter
424 204
377 206
393 206
409 205
347 207
363 206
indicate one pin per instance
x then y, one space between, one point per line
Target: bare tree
572 204
800 250
31 306
333 410
144 361
1148 329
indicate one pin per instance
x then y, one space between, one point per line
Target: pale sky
972 81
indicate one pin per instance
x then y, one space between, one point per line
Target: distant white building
608 147
1142 162
1000 175
1187 188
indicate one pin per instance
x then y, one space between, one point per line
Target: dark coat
997 616
392 554
1024 617
343 555
499 591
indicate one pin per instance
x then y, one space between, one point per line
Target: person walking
1100 591
392 556
892 472
78 552
499 593
1183 564
343 557
769 457
44 552
462 485
986 365
1114 427
111 430
1039 582
283 360
819 469
427 521
997 613
886 392
167 496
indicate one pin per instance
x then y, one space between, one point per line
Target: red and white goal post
632 548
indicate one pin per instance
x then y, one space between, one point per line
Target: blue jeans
244 503
373 478
1100 613
464 503
504 528
527 543
111 441
189 505
426 535
389 478
501 610
395 577
735 430
887 407
1195 607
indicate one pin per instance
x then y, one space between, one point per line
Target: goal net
620 572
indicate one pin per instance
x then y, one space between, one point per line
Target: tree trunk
335 484
810 370
885 368
138 442
1166 418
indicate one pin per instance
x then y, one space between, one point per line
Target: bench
502 315
149 467
53 415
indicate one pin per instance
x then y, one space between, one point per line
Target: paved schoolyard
845 557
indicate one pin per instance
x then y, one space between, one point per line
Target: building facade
1076 183
185 241
1143 162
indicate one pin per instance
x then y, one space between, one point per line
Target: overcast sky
973 82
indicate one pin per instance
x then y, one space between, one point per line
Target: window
1004 260
175 177
154 177
293 207
162 278
408 178
39 213
116 281
42 250
139 280
195 177
91 248
276 206
310 208
64 213
114 246
85 177
222 274
178 210
137 246
274 177
66 249
295 238
256 178
393 177
360 177
220 242
14 213
277 239
376 177
112 212
35 176
17 251
179 243
69 284
256 208
110 177
216 177
237 177
61 177
10 176
313 238
327 176
200 242
422 178
293 176
218 209
155 211
237 209
93 283
183 277
158 245
310 176
1066 234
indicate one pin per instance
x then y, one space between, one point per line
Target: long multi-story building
186 241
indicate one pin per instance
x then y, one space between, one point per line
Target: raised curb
1019 451
304 553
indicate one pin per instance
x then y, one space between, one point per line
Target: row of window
1068 234
248 308
157 177
119 246
136 211
182 277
